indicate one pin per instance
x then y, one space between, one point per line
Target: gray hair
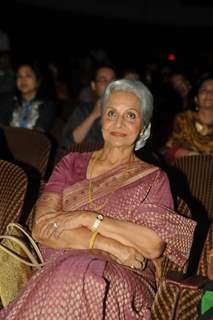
146 104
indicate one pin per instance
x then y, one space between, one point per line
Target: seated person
193 130
102 220
182 86
131 74
84 123
29 108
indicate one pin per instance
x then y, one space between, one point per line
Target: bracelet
98 220
92 239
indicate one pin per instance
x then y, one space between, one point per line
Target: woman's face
205 95
26 80
122 119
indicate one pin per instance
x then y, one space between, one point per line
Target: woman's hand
130 257
54 224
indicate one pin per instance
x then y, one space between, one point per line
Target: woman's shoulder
75 159
150 169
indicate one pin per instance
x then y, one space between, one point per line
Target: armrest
178 296
193 282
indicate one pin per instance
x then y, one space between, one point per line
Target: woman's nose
119 121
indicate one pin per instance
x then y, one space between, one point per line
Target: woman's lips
118 134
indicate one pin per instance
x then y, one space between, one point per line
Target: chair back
13 187
208 245
82 147
30 147
165 297
198 170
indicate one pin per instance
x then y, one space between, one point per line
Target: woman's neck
206 116
116 155
29 96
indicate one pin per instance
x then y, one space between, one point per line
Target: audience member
84 124
30 108
193 130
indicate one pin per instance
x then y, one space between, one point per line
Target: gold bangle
92 239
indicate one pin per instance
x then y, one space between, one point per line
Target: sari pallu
82 284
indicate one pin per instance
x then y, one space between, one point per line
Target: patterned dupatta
77 195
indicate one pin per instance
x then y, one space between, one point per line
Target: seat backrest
29 146
198 170
208 245
13 187
82 147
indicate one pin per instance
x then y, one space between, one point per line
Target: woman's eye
111 114
131 115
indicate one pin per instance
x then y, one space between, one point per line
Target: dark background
132 33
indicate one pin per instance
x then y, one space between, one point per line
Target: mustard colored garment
190 133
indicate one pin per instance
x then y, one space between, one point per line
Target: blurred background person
84 125
30 107
131 74
193 130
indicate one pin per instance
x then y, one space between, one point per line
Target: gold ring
55 225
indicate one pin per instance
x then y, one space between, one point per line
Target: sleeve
179 136
58 179
47 116
175 230
73 122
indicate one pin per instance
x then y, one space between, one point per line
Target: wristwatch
96 224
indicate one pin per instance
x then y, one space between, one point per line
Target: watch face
100 217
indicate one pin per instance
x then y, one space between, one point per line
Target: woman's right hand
130 257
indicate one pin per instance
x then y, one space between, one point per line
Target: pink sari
78 284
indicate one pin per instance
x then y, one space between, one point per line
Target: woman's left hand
54 224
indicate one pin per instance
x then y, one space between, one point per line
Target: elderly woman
193 130
102 220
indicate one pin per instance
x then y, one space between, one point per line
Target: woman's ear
141 132
93 85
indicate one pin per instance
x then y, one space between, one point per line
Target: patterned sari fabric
190 134
87 284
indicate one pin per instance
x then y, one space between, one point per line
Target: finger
46 230
46 217
137 264
140 258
